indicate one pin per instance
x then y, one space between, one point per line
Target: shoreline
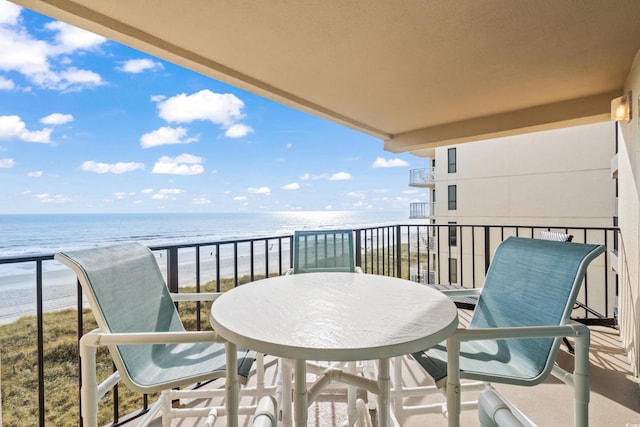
59 284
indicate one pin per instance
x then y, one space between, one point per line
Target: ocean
24 235
45 234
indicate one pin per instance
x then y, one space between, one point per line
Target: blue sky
89 125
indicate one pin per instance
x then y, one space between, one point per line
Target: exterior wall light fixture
621 108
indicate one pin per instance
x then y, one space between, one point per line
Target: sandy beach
18 281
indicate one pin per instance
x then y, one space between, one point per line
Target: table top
334 316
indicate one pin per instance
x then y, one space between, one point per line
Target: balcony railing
394 250
420 210
422 177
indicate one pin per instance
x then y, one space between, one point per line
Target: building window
453 198
453 270
452 160
453 234
615 235
433 196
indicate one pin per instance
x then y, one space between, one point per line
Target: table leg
453 382
300 402
231 384
384 401
287 420
351 396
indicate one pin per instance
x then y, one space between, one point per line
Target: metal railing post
172 269
487 248
358 248
398 252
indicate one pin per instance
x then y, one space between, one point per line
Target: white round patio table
331 317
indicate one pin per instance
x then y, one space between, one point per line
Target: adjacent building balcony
424 177
420 210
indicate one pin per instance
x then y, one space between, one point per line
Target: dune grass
18 352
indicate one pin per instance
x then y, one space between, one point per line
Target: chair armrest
195 296
96 338
573 329
454 293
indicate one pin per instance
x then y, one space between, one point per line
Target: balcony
424 177
420 210
397 250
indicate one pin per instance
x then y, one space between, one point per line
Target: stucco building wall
629 218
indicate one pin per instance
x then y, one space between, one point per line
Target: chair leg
166 408
89 387
581 385
370 372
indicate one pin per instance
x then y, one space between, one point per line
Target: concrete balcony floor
615 393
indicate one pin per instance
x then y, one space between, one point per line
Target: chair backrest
553 235
127 293
533 282
323 250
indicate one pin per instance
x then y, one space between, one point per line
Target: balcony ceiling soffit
415 74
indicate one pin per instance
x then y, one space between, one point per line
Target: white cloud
184 164
328 208
73 79
9 13
136 66
361 204
48 198
240 198
261 190
238 131
12 127
171 191
35 174
56 119
117 168
218 108
223 109
71 39
307 176
356 194
147 190
201 201
7 163
164 136
6 84
381 162
289 146
340 176
122 194
167 194
292 186
43 63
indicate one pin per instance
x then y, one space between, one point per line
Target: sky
88 125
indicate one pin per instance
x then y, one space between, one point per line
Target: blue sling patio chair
318 251
513 337
323 251
139 323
